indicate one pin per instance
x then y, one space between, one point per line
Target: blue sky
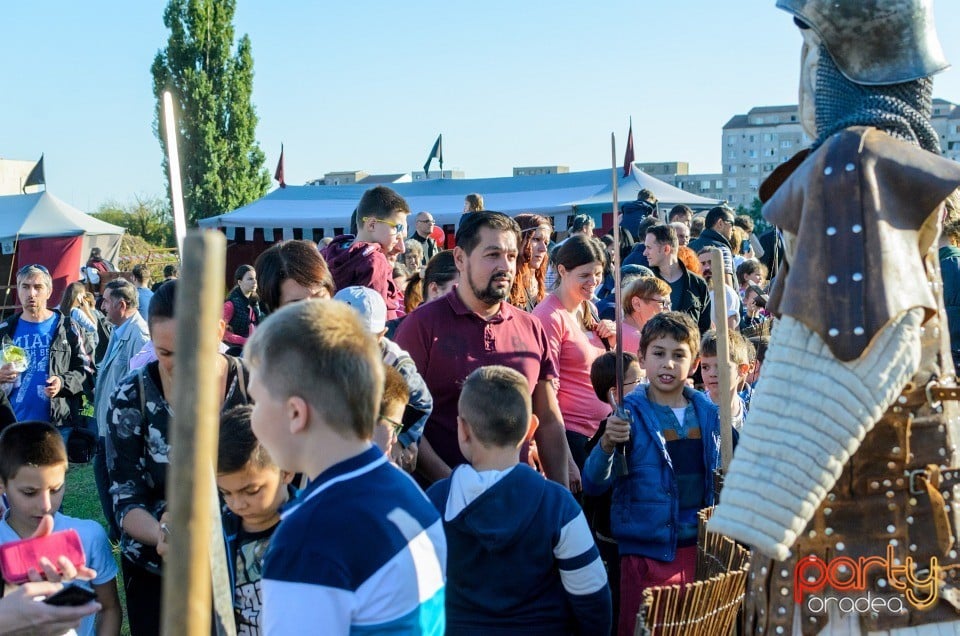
369 85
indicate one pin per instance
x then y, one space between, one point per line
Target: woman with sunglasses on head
529 285
576 337
290 271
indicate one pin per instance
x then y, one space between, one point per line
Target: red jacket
354 262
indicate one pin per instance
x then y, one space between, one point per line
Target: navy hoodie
521 559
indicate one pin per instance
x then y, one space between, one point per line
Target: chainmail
901 110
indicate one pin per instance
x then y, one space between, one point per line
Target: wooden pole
194 429
723 358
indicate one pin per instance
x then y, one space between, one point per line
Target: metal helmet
875 42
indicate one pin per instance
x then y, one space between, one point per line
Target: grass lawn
81 501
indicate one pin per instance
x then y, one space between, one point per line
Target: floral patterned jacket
137 448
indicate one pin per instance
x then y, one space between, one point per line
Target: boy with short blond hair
504 522
253 490
739 365
672 448
363 259
33 469
360 547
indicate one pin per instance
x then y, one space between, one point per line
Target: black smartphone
72 594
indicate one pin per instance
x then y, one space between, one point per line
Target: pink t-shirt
572 352
631 339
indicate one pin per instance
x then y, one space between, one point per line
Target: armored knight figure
843 480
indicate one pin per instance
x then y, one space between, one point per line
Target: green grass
82 501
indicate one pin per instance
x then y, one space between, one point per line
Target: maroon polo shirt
448 341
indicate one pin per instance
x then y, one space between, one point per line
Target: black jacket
67 360
430 246
710 238
694 299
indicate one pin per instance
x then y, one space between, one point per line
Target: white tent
41 229
329 208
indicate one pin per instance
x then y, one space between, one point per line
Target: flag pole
173 166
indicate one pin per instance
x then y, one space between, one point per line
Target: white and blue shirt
361 550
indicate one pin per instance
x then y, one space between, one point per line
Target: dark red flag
628 156
278 175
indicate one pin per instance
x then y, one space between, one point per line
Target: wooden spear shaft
194 430
723 359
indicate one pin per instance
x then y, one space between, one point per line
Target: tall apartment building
752 145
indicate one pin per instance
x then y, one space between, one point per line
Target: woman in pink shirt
576 337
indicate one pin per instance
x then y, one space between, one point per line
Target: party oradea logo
815 578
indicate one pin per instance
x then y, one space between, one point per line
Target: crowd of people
486 378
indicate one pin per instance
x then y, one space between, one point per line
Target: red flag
628 156
278 175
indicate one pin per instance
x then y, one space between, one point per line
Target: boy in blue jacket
672 449
521 558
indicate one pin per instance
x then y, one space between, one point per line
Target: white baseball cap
368 303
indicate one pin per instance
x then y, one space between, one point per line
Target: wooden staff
723 358
194 431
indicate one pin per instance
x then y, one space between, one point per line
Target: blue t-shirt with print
28 399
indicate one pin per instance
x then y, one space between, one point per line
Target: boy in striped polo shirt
360 549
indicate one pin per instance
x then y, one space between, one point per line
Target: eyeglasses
395 426
26 268
398 228
427 221
663 302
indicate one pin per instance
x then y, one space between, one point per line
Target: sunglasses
398 228
27 268
663 302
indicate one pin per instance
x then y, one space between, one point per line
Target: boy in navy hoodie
521 558
363 260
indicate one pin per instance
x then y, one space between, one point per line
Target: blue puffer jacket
645 510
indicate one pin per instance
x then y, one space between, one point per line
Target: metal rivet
849 167
894 542
812 534
953 554
858 331
827 511
913 547
784 591
887 483
828 531
891 529
875 485
902 399
892 507
889 494
910 519
857 277
833 333
784 574
891 465
781 611
841 547
763 571
895 450
779 629
828 171
831 280
831 231
881 583
857 228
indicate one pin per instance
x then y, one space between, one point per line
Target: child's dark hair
603 372
30 444
238 446
380 203
395 389
739 347
505 425
671 324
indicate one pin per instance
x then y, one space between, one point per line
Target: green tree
150 219
760 224
220 161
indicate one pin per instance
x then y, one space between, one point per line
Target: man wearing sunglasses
422 234
50 379
362 259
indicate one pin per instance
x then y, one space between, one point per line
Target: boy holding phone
33 468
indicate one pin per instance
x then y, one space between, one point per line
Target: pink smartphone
17 558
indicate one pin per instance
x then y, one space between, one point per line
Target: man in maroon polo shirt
474 326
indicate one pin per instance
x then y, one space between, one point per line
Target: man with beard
473 326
